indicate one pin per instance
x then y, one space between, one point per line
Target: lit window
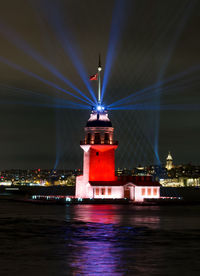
109 191
149 191
103 191
97 191
155 191
143 191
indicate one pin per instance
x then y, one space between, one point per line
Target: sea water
99 240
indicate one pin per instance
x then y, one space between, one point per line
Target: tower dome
99 129
99 119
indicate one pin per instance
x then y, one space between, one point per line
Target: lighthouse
99 180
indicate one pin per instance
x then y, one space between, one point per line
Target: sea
37 239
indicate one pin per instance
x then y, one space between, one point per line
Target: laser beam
66 39
156 85
118 20
22 45
21 69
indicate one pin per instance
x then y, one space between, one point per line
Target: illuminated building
98 179
169 162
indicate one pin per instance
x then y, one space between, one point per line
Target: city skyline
140 45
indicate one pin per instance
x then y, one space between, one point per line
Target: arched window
97 139
88 138
106 138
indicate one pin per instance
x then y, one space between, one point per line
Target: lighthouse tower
99 150
98 180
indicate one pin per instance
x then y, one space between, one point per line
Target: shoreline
173 196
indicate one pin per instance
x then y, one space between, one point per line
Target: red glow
102 163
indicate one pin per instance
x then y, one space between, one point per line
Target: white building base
131 191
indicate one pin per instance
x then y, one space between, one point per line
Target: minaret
99 149
169 162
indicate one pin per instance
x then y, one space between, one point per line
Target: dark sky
150 40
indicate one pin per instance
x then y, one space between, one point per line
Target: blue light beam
61 102
65 38
21 69
174 107
22 45
156 85
118 20
169 89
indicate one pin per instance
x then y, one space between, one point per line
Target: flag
94 77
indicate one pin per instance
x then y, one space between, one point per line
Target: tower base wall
83 188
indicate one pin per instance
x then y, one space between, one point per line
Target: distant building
169 162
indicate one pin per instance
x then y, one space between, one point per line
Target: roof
106 183
145 181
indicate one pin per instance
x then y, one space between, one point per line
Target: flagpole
99 81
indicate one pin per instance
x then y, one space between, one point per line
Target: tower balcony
94 142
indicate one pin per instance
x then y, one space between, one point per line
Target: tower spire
99 80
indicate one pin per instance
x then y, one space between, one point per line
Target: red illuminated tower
99 148
99 153
98 179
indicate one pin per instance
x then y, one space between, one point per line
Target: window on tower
103 191
97 139
97 191
88 138
109 191
106 138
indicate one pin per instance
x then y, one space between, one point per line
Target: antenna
99 80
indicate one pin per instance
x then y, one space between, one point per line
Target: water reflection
148 216
108 233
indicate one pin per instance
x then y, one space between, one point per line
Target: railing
83 142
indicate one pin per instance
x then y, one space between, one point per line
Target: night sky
141 42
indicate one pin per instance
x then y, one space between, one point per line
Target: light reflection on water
98 239
113 214
109 234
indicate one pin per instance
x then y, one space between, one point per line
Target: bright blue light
100 108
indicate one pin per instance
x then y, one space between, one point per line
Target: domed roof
99 119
